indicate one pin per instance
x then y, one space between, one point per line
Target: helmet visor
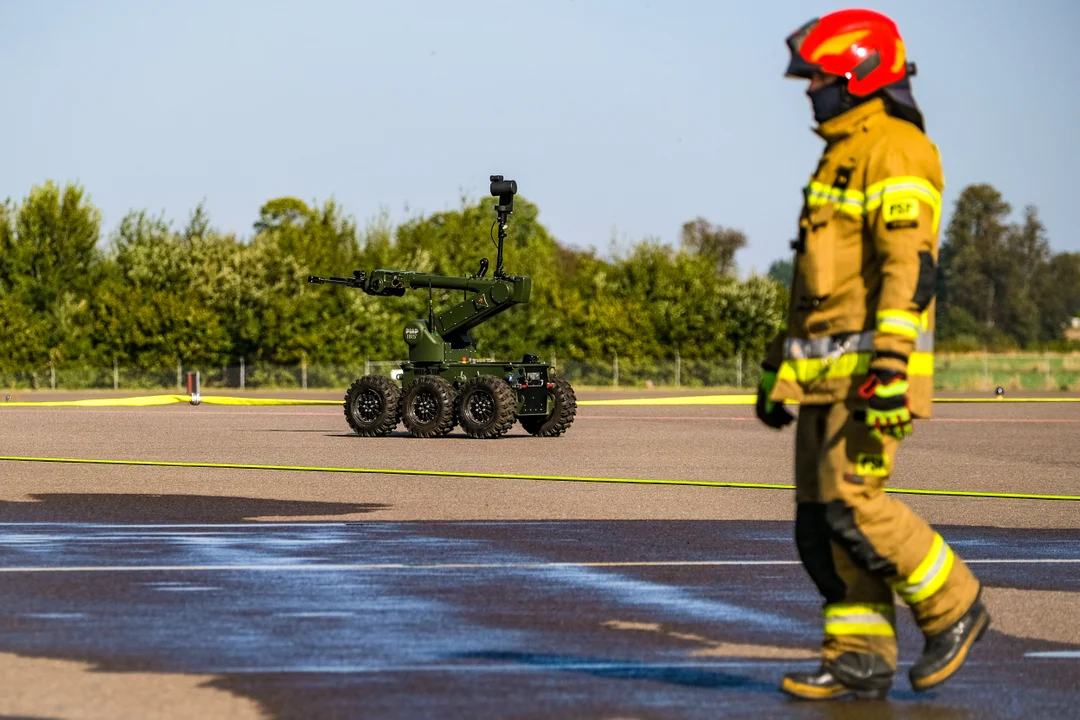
799 67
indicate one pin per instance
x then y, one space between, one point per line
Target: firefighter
856 353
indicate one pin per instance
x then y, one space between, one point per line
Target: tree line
149 295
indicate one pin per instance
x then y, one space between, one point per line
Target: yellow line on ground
685 400
514 476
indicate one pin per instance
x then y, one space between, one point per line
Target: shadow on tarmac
626 670
163 509
905 703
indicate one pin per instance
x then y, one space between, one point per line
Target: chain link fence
957 372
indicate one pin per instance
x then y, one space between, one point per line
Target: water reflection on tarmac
643 619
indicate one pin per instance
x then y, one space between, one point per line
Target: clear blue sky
624 116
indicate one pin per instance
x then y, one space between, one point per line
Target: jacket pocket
818 264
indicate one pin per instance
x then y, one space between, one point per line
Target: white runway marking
125 526
346 567
1055 654
1033 561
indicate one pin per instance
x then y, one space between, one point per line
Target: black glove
770 412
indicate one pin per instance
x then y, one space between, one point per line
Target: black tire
561 417
428 407
372 406
486 407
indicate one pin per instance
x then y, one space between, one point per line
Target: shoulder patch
900 209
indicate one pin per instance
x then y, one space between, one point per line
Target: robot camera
501 188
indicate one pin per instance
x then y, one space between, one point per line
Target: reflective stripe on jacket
865 263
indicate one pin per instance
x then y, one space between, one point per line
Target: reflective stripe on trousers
929 576
860 619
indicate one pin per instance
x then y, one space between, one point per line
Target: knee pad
846 533
812 538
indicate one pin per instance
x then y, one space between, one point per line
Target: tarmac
214 592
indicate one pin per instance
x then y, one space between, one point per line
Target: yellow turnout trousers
859 545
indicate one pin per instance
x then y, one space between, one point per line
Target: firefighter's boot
946 651
862 675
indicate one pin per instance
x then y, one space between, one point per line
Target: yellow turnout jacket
865 262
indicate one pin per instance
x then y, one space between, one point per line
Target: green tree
1000 283
972 255
50 267
22 342
713 241
154 308
283 318
1022 279
783 272
1059 298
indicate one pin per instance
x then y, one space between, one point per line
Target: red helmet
861 45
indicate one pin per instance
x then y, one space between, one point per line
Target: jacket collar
846 123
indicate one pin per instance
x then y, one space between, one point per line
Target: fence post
52 375
986 368
115 375
303 371
367 367
678 369
179 375
738 370
243 372
615 370
1049 376
554 362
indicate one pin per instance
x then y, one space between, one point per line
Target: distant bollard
193 387
1000 392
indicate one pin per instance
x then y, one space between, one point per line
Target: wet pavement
525 619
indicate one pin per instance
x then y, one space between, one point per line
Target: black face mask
831 100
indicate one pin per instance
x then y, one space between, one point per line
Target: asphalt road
992 447
242 593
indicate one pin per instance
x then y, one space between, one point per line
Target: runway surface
310 595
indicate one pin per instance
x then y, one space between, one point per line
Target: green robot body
443 384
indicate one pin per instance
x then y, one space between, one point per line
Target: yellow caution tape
515 476
215 400
684 400
150 400
752 399
141 401
1005 399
